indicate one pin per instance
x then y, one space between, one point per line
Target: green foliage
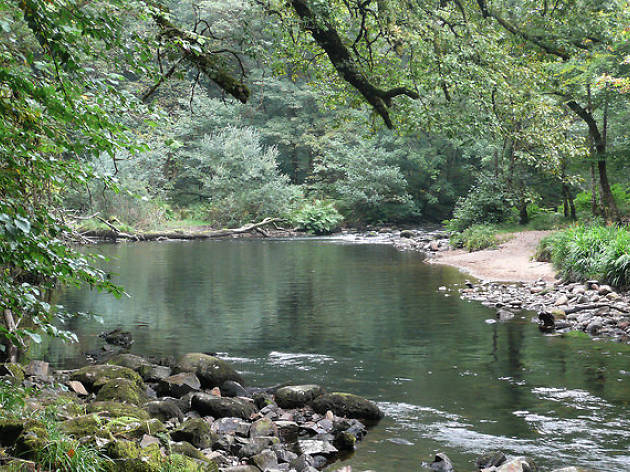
318 217
12 399
592 252
488 202
621 194
475 238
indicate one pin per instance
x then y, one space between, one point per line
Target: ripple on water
299 361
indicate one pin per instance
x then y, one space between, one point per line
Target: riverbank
185 415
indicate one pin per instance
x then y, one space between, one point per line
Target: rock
11 372
186 449
164 410
148 371
179 385
263 399
231 388
345 441
147 440
561 300
505 315
211 371
262 427
302 463
128 456
297 396
490 459
114 409
220 407
546 319
77 387
604 290
250 447
241 468
287 430
265 460
520 464
118 337
573 469
237 426
37 369
285 456
441 463
195 431
122 390
406 233
93 377
348 405
313 447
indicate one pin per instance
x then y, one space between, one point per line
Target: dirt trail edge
509 262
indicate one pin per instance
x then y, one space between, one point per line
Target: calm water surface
370 320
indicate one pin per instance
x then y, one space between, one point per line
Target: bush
318 217
620 193
488 202
591 252
475 238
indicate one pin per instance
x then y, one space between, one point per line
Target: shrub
488 202
475 238
318 217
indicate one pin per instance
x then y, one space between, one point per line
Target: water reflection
371 320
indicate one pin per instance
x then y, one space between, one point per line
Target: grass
584 252
476 238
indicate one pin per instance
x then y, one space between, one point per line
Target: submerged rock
490 459
441 463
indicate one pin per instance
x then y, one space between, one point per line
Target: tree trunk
594 199
523 216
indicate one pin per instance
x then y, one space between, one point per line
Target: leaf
22 224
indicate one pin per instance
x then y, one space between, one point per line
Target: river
367 319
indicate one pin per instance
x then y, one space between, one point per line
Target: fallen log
115 234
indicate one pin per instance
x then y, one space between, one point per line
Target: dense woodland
144 115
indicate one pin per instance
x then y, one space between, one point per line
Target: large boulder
348 405
122 390
441 463
212 371
93 377
221 407
296 396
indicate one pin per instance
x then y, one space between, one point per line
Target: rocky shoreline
194 411
595 309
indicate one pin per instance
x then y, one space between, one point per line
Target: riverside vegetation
149 114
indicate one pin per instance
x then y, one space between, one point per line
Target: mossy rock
114 409
197 432
183 463
186 449
127 456
14 373
33 438
93 426
122 390
210 370
148 371
93 377
18 465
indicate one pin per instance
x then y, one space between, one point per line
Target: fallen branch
114 234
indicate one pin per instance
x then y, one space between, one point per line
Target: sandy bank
510 262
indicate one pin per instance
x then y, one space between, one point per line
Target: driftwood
115 234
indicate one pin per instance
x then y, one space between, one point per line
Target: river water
370 320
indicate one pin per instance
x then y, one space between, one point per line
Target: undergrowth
475 238
590 252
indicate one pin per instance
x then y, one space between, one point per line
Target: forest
151 117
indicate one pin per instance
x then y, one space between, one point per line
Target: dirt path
510 262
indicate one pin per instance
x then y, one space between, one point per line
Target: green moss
127 456
187 449
93 377
122 390
83 426
114 409
32 439
180 463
